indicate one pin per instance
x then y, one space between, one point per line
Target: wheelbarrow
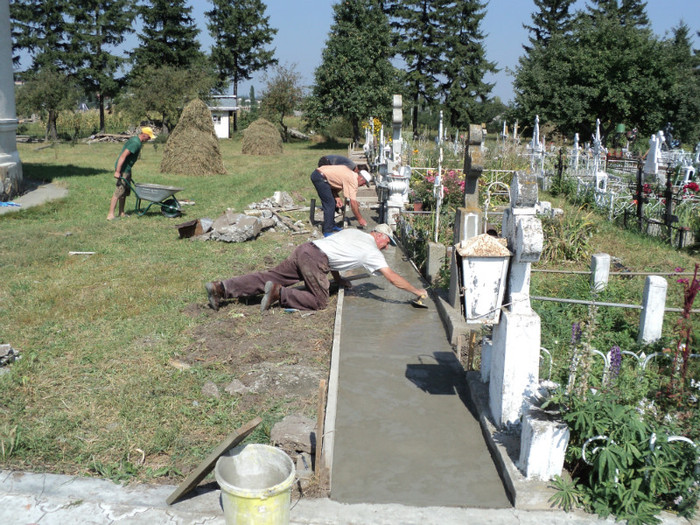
163 196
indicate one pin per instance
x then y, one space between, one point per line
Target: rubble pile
233 226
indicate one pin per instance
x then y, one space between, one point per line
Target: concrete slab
404 431
39 194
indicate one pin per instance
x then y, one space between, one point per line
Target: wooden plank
206 466
320 416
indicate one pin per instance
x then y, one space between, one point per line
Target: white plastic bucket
256 482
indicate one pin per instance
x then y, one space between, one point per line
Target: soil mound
261 138
193 148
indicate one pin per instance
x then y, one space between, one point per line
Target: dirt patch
276 355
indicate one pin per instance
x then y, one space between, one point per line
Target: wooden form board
208 464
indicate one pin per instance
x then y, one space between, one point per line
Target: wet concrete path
404 430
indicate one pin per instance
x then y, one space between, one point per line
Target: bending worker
332 160
310 262
329 180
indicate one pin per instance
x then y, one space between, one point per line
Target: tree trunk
51 132
285 137
102 113
414 117
235 113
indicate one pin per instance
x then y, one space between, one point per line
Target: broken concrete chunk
210 390
8 354
295 433
236 387
235 227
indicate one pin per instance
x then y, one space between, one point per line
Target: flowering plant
423 188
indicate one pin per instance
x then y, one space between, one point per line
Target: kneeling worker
310 262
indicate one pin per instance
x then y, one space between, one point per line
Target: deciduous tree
282 95
47 91
160 93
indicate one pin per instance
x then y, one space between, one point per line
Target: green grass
93 391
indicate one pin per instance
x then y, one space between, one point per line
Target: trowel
418 303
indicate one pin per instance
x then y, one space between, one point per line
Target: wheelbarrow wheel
170 208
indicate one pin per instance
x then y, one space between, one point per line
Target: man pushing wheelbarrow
122 169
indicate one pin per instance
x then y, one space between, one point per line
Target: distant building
222 108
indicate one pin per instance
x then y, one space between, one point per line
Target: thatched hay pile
261 138
193 148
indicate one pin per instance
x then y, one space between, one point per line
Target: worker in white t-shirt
311 262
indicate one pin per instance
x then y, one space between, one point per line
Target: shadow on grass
329 144
47 172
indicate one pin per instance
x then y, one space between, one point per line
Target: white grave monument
10 165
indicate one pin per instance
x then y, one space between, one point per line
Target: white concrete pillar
10 166
600 271
653 305
543 443
515 365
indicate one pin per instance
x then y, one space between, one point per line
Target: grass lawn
95 390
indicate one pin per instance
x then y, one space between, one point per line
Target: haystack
261 138
193 148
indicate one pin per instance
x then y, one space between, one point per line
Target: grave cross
473 168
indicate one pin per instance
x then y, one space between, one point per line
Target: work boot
272 295
216 293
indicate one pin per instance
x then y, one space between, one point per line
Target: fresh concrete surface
38 194
404 431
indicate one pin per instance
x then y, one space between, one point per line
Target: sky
303 27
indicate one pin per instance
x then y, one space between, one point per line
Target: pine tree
464 63
418 40
97 26
552 17
241 31
630 13
169 36
355 79
40 27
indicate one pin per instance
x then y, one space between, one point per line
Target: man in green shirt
122 168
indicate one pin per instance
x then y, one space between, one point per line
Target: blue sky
303 28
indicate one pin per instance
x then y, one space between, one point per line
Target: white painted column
10 166
515 361
600 271
515 353
653 305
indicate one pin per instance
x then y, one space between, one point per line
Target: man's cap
386 230
366 175
148 131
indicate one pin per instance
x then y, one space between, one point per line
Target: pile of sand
193 148
261 138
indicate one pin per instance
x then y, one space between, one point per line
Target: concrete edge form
451 319
328 438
